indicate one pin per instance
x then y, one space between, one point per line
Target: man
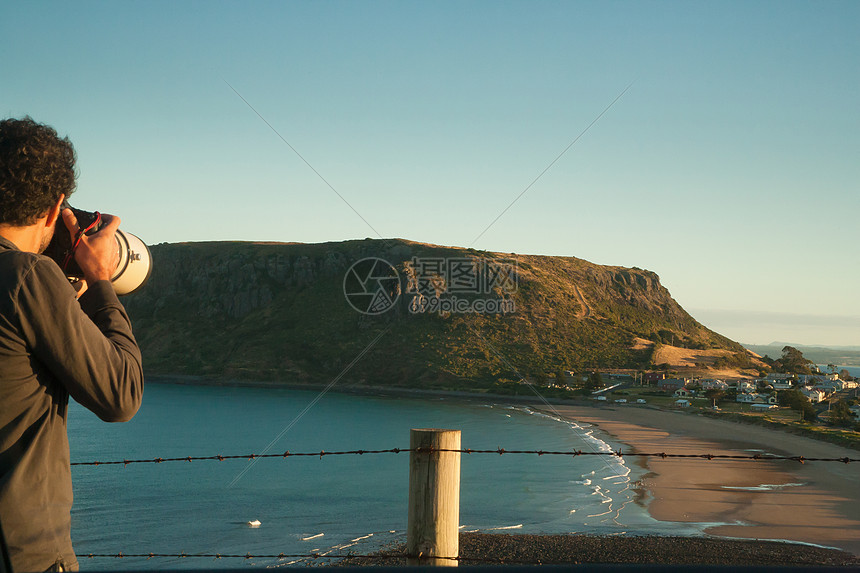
52 345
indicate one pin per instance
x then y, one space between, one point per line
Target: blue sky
730 167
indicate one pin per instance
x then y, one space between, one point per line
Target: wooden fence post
434 498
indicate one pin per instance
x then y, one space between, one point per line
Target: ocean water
332 504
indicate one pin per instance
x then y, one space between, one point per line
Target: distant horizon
799 345
765 328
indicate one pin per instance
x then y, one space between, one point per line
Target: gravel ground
483 549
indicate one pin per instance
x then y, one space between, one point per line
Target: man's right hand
97 254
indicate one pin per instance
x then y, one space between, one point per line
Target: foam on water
312 537
617 493
762 487
504 527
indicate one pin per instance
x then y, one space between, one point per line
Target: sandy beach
814 502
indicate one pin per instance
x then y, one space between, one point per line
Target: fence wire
498 451
247 556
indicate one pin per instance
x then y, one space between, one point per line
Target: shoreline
815 503
377 391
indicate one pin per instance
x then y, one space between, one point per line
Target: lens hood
135 263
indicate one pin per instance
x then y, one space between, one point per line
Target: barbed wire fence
499 451
297 556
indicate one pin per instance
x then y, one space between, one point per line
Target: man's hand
97 254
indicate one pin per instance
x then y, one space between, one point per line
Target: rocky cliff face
279 312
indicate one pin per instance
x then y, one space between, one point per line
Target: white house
782 385
746 385
814 394
757 398
713 384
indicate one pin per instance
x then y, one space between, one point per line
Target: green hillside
278 312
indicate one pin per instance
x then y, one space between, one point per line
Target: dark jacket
53 346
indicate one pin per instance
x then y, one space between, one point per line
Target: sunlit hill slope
277 312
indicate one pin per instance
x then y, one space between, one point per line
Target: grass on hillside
278 312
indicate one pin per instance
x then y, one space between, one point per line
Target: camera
135 260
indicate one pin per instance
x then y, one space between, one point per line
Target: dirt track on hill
585 310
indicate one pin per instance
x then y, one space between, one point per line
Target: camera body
135 260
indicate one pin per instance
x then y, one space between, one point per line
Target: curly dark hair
36 167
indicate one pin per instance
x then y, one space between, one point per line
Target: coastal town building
814 394
746 385
830 386
713 385
672 384
756 398
805 379
653 377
